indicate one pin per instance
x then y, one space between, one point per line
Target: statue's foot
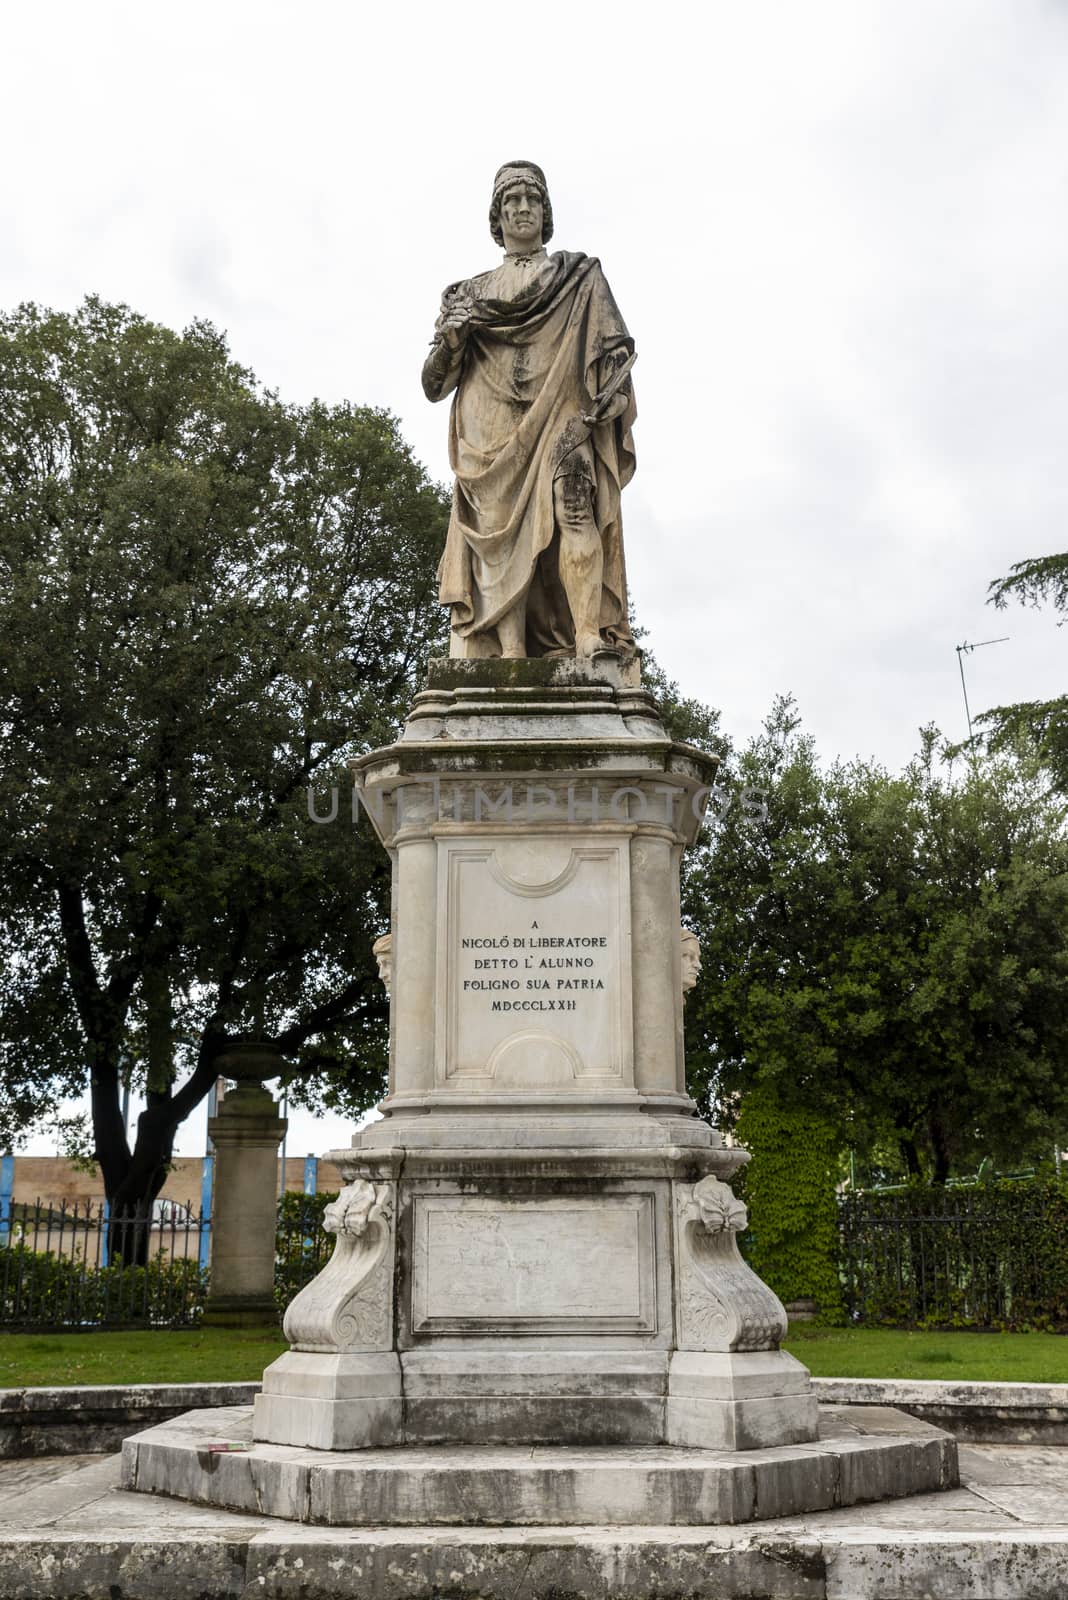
586 644
512 635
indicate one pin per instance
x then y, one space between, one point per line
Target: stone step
887 1455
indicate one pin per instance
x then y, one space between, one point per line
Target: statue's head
510 176
691 959
382 950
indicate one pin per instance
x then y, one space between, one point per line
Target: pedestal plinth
538 1241
246 1135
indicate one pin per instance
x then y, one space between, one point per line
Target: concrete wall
53 1179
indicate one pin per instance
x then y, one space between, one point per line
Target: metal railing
968 1257
72 1265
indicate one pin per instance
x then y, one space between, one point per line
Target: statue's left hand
612 409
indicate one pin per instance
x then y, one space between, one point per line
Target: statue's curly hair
537 176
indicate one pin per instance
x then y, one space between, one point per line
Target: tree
1042 580
888 951
208 602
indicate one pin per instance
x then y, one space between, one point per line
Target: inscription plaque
534 971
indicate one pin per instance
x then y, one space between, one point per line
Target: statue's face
522 216
691 962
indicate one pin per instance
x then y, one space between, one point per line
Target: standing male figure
539 440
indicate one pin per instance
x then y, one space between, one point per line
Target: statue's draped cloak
531 367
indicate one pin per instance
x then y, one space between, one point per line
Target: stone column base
331 1402
739 1400
240 1311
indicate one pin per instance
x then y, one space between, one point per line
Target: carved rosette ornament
722 1303
349 1305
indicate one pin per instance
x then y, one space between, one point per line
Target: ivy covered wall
789 1187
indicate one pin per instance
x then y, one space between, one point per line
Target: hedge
993 1255
45 1289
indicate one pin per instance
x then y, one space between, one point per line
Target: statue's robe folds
532 364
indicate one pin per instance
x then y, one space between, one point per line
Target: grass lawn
893 1353
239 1355
157 1355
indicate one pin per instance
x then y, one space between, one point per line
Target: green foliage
888 953
1040 724
45 1289
991 1255
687 720
302 1244
788 1186
209 602
1040 580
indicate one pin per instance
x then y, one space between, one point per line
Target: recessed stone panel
560 1265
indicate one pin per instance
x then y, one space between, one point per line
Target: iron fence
71 1265
993 1256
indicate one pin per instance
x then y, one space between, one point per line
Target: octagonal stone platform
882 1455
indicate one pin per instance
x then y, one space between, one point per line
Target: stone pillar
246 1135
414 953
656 984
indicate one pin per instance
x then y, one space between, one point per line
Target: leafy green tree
887 951
209 601
1042 580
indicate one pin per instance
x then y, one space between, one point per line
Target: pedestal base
575 1397
883 1454
555 1296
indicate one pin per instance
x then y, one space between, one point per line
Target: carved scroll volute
349 1306
723 1305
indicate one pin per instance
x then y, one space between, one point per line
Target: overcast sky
838 232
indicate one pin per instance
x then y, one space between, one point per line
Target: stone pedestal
246 1135
537 1243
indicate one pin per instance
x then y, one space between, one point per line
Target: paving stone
77 1567
1013 1463
40 1503
528 1564
21 1472
1036 1503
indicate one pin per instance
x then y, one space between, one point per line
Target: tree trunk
910 1155
139 1179
939 1148
130 1231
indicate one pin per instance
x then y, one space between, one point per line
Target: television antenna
966 649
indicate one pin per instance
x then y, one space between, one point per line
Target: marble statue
691 959
537 358
382 950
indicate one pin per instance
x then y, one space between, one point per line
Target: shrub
41 1288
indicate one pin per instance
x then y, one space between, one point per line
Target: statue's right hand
453 330
454 323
